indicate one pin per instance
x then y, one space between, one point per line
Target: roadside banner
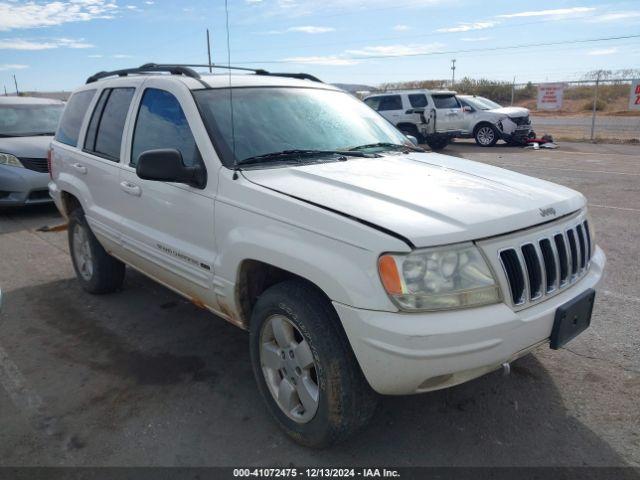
634 98
550 96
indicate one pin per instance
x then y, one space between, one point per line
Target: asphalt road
579 126
143 377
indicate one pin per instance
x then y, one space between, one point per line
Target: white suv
357 262
487 122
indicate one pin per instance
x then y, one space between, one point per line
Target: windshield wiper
297 154
388 145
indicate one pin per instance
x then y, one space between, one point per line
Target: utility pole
595 105
453 72
513 89
16 84
209 51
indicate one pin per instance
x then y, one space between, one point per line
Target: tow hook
506 369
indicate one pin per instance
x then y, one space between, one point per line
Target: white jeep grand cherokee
357 262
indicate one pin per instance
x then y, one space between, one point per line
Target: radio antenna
233 132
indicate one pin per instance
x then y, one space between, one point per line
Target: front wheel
304 366
486 135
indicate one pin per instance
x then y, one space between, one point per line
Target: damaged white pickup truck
360 264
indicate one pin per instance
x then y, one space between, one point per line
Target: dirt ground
143 377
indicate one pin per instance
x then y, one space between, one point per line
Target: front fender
337 254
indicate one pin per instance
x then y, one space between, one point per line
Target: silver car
27 125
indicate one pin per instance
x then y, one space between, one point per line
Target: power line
470 50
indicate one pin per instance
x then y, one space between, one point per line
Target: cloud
466 27
121 55
48 44
335 60
150 2
603 51
402 28
616 16
475 39
558 12
12 66
95 55
311 29
396 50
29 14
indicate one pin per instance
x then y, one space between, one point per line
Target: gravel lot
143 377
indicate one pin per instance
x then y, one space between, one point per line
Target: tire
437 144
339 401
486 135
97 271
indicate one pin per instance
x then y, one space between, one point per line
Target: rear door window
418 100
391 102
73 116
104 135
445 101
161 123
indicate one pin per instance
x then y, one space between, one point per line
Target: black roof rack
185 69
147 67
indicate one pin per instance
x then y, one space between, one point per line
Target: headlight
441 278
8 159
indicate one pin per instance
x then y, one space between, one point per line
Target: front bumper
21 186
404 353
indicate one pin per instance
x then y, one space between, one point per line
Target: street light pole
453 72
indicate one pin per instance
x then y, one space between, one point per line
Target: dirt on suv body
359 264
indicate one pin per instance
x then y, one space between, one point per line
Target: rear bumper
56 196
21 186
402 353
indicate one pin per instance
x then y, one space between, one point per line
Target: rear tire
437 144
486 135
97 271
319 396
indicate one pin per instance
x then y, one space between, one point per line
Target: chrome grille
539 268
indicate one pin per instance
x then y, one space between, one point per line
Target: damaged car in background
487 122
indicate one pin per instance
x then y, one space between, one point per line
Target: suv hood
511 111
427 198
26 147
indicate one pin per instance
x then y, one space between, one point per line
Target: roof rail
185 69
147 67
257 71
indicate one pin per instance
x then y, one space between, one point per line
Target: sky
56 45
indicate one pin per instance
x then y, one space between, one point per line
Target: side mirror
413 139
166 165
467 109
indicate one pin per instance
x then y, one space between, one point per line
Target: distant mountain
354 87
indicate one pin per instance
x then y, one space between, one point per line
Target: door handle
81 168
131 188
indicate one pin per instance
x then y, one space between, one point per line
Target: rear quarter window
73 116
